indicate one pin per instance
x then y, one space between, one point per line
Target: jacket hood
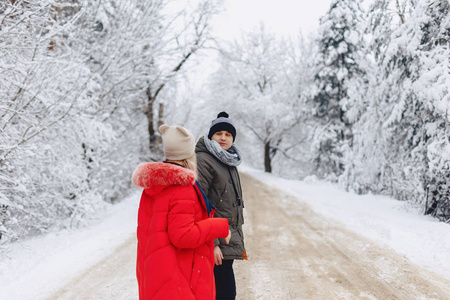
201 147
148 175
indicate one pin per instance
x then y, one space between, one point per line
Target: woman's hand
228 238
218 255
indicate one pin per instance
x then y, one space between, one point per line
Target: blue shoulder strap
208 204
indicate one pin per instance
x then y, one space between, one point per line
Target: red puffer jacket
175 255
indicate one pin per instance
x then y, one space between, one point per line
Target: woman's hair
188 163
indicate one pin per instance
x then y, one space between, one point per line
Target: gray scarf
232 157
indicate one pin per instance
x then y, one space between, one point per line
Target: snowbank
35 268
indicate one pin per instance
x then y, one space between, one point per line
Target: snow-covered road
294 253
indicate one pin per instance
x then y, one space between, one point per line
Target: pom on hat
222 115
178 142
222 123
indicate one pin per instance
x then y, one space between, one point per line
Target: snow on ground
35 268
389 222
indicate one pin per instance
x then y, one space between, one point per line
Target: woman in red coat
176 231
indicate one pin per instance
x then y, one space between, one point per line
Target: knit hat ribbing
178 142
222 123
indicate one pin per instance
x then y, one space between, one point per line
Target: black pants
225 282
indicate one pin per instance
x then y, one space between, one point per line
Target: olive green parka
215 179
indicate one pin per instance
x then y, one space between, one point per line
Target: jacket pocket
222 196
235 235
198 267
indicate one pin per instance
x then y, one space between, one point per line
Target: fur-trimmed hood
148 175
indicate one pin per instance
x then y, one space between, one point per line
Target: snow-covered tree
42 87
74 77
187 30
401 139
339 79
431 87
255 83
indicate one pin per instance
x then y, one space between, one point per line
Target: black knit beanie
222 123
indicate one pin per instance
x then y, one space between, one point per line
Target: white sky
286 17
282 17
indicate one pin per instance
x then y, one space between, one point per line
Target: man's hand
218 255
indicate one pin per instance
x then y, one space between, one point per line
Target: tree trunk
267 158
400 12
155 139
161 114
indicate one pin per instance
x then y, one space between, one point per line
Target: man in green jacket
217 158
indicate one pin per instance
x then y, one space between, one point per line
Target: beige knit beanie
178 142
